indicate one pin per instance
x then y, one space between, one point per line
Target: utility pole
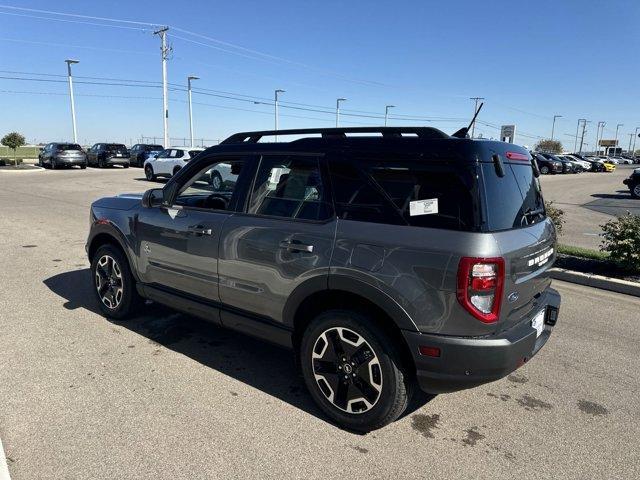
584 129
615 145
165 100
277 92
553 127
70 62
635 135
475 109
575 143
630 138
386 113
190 78
338 109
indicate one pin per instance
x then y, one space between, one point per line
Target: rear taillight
480 285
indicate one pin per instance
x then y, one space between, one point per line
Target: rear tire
54 165
544 170
635 190
176 170
148 173
113 283
353 371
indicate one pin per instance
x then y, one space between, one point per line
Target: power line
89 17
74 21
86 47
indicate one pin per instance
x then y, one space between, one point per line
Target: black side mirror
152 198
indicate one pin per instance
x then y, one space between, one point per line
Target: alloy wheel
109 282
346 370
636 190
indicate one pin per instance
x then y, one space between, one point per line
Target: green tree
549 146
13 140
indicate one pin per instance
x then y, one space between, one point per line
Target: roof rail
336 133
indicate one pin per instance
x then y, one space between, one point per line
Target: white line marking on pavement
4 469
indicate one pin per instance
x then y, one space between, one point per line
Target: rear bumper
468 362
71 160
117 161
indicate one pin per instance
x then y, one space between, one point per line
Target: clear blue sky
530 60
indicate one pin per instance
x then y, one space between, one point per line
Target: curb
596 281
28 170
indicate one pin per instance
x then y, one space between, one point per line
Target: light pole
70 62
338 109
615 143
635 135
190 78
575 143
386 113
165 95
630 139
584 129
553 127
277 92
600 125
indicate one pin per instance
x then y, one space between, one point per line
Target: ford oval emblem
513 296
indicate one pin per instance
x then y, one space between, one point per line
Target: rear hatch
116 150
70 151
515 214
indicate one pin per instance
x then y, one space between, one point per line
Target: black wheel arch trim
105 227
350 285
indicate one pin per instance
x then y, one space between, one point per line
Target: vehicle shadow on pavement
263 366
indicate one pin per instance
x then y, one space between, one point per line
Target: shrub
621 238
556 215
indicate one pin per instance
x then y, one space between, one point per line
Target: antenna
464 132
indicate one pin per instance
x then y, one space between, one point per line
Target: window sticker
423 207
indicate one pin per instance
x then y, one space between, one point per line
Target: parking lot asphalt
589 200
168 396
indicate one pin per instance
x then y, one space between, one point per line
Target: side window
179 153
211 187
358 199
291 187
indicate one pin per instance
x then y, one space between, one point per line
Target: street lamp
635 135
70 62
553 127
338 109
190 78
277 92
386 113
615 143
598 137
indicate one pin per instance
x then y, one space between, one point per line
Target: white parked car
169 161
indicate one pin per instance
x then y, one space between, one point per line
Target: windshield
512 201
115 146
69 146
153 148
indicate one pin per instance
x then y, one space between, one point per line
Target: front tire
54 165
353 371
148 173
544 170
113 283
635 190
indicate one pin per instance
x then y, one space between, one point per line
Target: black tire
635 190
126 165
215 180
83 166
127 301
148 173
373 404
39 161
54 165
101 163
176 170
544 169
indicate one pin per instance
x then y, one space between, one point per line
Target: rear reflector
517 156
429 351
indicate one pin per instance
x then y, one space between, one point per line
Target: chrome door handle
200 230
294 246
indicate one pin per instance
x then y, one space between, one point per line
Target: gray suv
384 257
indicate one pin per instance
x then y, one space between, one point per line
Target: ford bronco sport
384 257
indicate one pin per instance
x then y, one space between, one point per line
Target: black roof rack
336 133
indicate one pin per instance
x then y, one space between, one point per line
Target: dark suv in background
104 155
141 152
399 258
55 155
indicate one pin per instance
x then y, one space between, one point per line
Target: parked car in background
597 164
104 155
169 161
623 160
633 182
140 152
586 166
546 165
55 155
406 258
567 166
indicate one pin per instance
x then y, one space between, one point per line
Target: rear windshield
153 148
114 146
512 201
69 146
